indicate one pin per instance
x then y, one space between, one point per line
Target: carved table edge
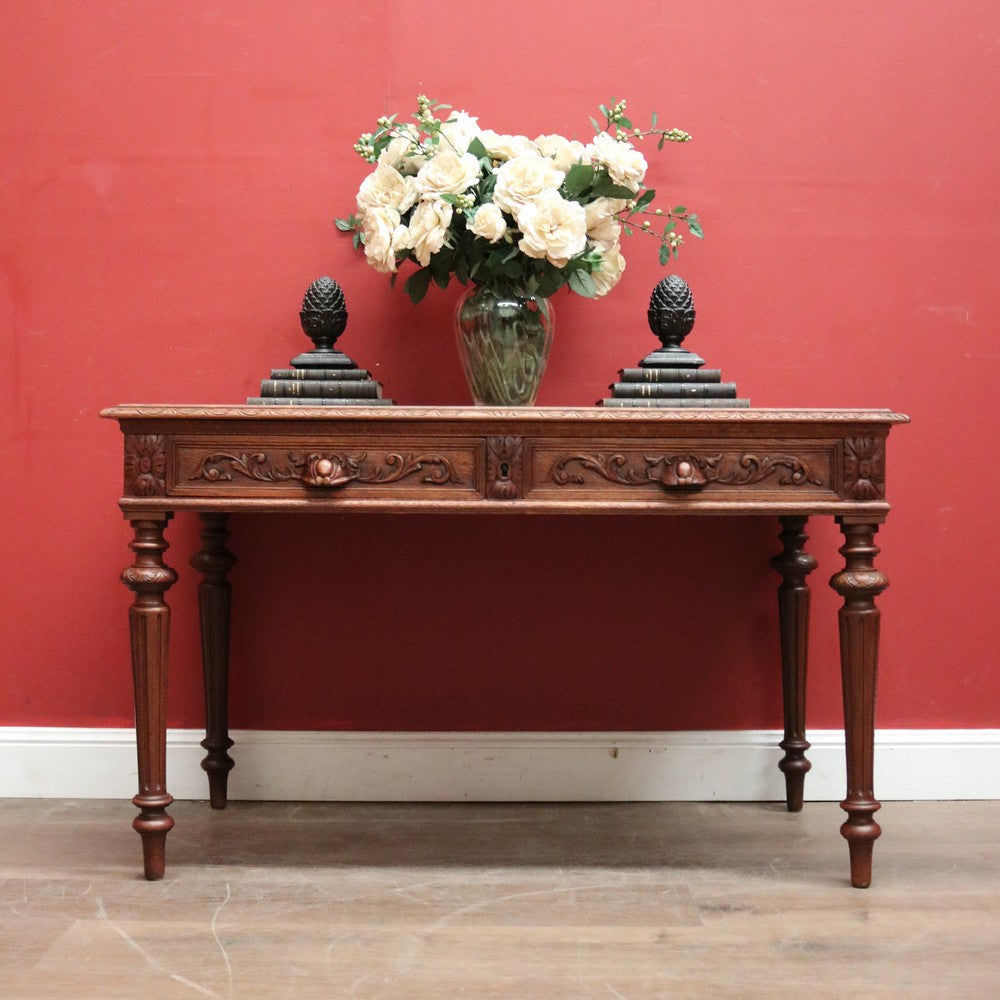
144 411
668 506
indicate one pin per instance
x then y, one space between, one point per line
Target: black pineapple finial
324 313
671 312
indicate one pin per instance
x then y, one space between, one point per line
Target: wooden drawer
623 470
311 466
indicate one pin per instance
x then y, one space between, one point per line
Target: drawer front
288 467
627 470
553 472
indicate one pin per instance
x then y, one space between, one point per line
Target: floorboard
563 902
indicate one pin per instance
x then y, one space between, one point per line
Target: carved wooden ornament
327 469
504 462
145 465
864 469
687 471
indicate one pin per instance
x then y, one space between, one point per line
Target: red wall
169 174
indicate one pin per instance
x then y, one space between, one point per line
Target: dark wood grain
859 583
149 628
214 561
794 564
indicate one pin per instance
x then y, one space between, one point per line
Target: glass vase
504 338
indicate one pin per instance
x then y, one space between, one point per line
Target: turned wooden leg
214 561
859 584
794 564
149 627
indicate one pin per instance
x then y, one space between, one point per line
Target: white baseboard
501 767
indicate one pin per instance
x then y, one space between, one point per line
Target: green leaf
579 177
695 229
626 229
664 253
624 123
597 128
440 266
605 187
357 240
496 258
485 189
654 119
548 283
344 225
618 191
645 199
417 284
477 148
679 210
583 284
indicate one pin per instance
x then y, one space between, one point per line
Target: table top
522 414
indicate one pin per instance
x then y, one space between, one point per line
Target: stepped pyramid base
676 404
673 377
323 377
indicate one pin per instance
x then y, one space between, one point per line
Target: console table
790 464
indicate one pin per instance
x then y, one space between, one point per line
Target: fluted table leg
859 583
214 561
794 564
149 628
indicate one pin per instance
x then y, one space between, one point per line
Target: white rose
626 165
506 147
459 130
553 228
563 152
612 267
489 223
603 226
401 153
428 228
386 187
383 235
523 179
448 173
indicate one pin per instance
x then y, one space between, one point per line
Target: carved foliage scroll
686 471
145 465
327 469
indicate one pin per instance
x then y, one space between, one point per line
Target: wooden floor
563 902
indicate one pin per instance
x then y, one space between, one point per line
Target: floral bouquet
504 210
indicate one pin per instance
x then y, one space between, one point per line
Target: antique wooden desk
789 464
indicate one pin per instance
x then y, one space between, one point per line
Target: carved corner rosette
864 469
327 469
145 465
504 468
686 471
